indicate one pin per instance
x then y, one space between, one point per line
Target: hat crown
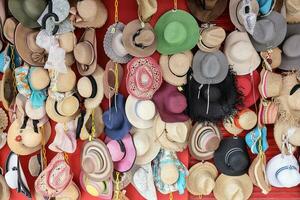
212 94
116 151
211 66
144 78
291 46
141 142
213 37
31 42
210 4
176 102
145 37
241 50
177 132
288 176
84 87
264 31
87 9
145 109
169 173
34 8
179 64
68 106
292 6
234 191
237 160
84 53
204 182
175 33
114 119
208 140
117 44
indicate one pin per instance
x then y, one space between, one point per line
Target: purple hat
170 104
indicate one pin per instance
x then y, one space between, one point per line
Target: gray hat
291 49
210 68
269 32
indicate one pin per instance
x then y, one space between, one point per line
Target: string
171 196
93 130
175 4
117 191
116 11
13 67
44 156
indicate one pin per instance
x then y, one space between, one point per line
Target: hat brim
280 128
111 67
4 189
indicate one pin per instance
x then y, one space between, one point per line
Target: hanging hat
91 13
123 152
9 28
124 179
85 52
245 119
289 80
170 104
39 78
146 9
230 126
34 113
231 158
172 136
266 6
269 32
176 31
283 171
233 187
241 55
139 39
71 192
201 178
267 113
175 67
113 44
115 120
248 86
67 41
4 189
7 90
60 83
35 165
144 77
146 144
271 58
211 38
209 68
252 140
292 11
270 84
112 78
207 10
3 13
204 140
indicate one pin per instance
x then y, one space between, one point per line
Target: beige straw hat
9 28
211 38
292 11
270 84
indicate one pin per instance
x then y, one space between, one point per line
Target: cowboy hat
270 84
252 140
112 78
4 189
211 38
272 58
146 9
292 11
9 28
267 112
7 91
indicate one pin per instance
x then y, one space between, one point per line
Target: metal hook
48 15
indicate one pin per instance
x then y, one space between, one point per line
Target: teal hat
176 31
266 6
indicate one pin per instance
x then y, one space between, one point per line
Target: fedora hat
271 58
209 68
91 88
267 112
112 78
201 178
9 28
231 158
72 192
96 161
292 11
115 120
270 84
207 10
172 136
170 104
230 126
139 39
204 139
113 44
85 52
146 144
283 171
233 187
146 9
4 189
211 38
269 32
175 67
7 90
252 139
176 31
240 53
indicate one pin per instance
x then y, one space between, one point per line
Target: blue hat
265 6
253 137
115 120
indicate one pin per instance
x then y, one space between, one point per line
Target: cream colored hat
211 38
292 11
146 8
72 192
64 82
270 84
231 128
67 41
39 78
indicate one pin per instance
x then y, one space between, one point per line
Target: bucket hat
271 58
252 139
292 11
211 38
270 84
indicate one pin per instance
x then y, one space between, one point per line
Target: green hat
27 12
176 31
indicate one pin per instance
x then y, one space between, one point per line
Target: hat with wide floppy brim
292 11
176 31
233 187
112 78
210 68
269 32
201 178
211 38
204 139
4 189
231 158
270 84
7 90
241 55
175 67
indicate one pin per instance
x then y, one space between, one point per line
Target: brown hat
271 58
7 90
9 28
211 38
112 78
146 8
270 84
292 11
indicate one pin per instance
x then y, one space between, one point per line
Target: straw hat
67 41
292 11
7 91
72 192
272 58
230 126
233 187
112 78
211 38
61 85
270 84
175 67
124 179
92 13
146 9
35 165
4 189
39 78
288 82
9 28
3 13
34 113
245 119
201 178
267 113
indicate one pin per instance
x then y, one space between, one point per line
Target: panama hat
241 55
9 28
269 32
91 88
139 39
208 10
176 31
252 140
7 91
233 187
211 38
4 189
209 68
270 84
175 67
292 11
272 58
283 171
71 192
112 78
146 8
230 127
267 112
204 139
201 178
91 13
231 158
113 44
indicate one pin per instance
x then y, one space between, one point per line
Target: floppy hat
9 28
241 55
271 58
209 68
140 113
270 84
172 136
269 32
72 192
211 38
176 31
175 67
267 113
204 139
283 171
231 158
292 11
4 189
123 152
201 178
7 90
252 139
34 113
139 39
207 10
113 44
146 144
230 126
233 187
115 120
112 78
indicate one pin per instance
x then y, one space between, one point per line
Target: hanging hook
48 15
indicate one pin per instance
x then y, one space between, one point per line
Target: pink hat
144 77
122 152
170 104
